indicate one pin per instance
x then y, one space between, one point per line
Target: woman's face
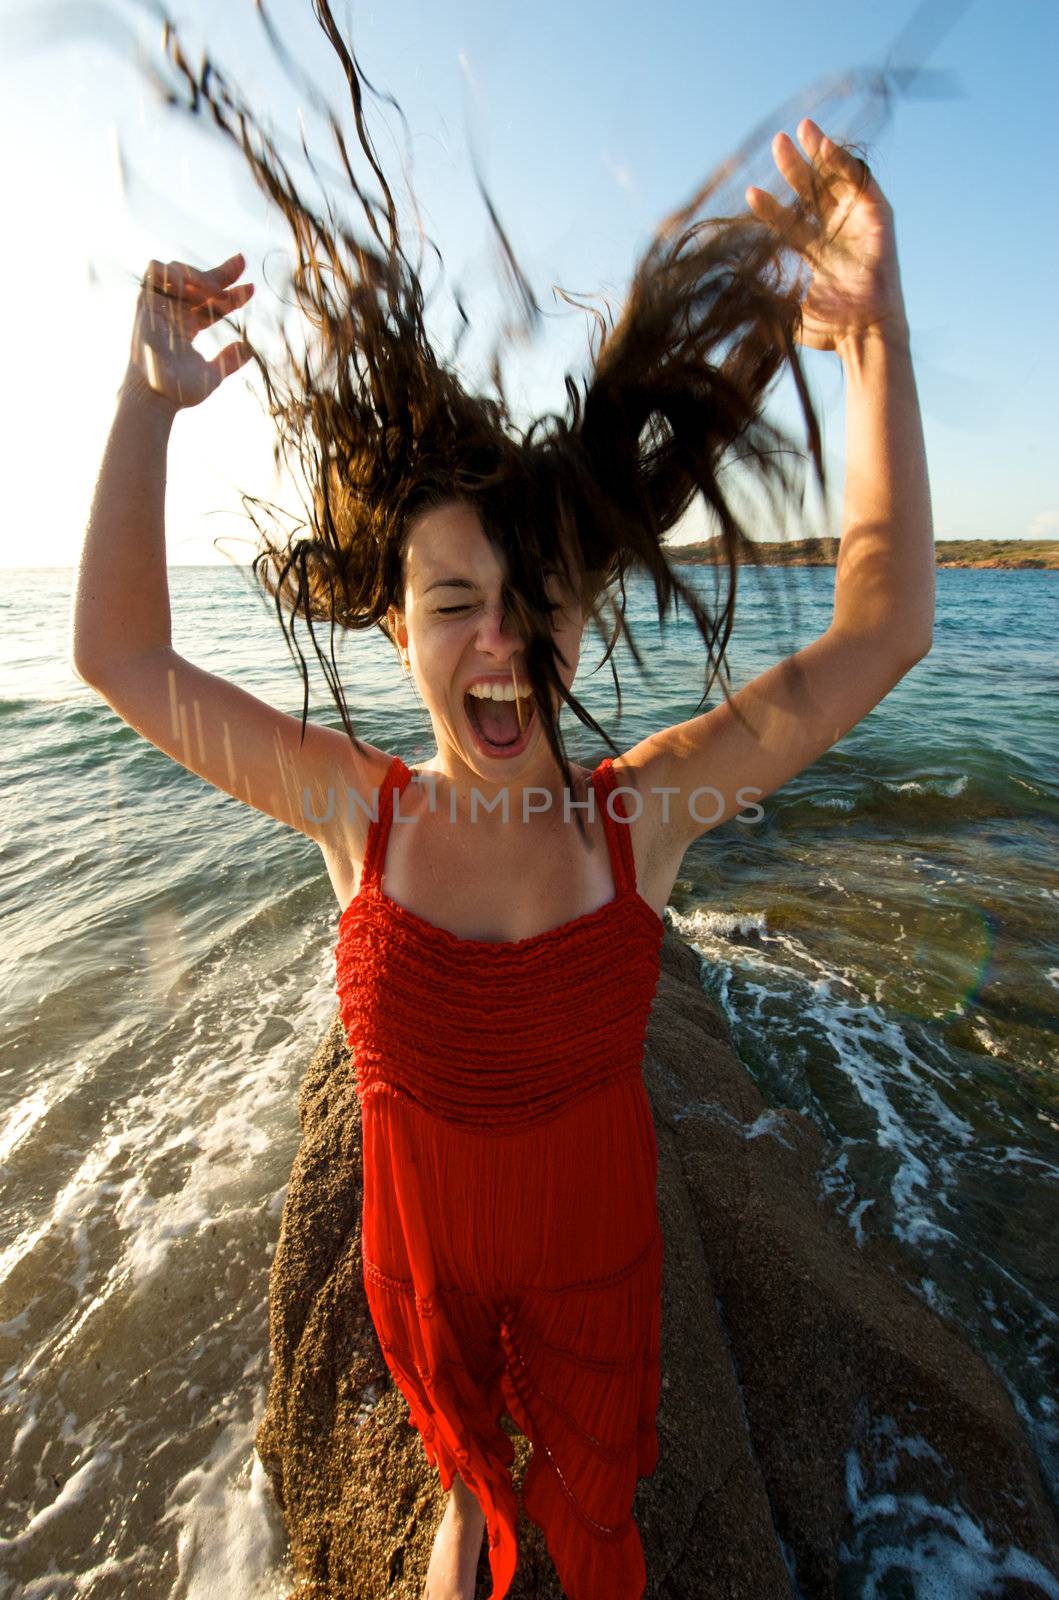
453 633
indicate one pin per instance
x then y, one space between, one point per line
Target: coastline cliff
981 553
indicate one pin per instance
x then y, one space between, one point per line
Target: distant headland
1041 553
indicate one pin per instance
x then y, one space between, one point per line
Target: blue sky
590 122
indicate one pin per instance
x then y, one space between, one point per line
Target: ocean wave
949 787
943 798
735 926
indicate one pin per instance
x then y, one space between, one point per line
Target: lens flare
941 963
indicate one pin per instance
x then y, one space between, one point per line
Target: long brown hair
382 428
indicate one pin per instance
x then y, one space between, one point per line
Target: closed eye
451 611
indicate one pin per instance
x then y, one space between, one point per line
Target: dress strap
393 783
619 841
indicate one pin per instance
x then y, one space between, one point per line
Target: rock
787 1353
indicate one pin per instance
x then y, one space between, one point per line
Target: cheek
439 651
568 643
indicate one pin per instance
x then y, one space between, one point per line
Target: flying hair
670 408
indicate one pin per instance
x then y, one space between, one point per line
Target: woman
495 965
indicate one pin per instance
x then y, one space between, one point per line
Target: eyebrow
465 583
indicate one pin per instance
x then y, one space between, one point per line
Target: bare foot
457 1546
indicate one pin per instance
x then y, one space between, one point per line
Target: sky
589 124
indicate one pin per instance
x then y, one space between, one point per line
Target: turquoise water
885 943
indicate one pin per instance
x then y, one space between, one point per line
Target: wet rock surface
792 1361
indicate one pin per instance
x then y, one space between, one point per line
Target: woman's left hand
847 240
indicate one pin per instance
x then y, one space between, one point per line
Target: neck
455 783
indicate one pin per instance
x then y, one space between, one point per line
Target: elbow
904 646
80 668
920 651
892 646
86 669
909 656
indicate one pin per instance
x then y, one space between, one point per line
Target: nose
497 634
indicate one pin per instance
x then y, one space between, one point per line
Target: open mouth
502 727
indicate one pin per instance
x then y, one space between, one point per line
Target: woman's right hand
177 302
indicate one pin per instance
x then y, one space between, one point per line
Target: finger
174 280
221 304
217 288
811 136
793 165
784 220
847 166
230 359
228 269
832 161
179 280
177 317
169 277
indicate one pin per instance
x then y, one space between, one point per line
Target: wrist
135 390
889 333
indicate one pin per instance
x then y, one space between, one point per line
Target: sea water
883 938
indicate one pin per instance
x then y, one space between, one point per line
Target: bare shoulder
350 805
658 845
368 766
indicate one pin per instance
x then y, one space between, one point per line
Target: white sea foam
941 1550
230 1537
703 922
990 1046
149 1259
779 991
949 787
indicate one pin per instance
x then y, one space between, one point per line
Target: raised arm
882 621
122 640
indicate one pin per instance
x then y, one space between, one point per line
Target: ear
396 624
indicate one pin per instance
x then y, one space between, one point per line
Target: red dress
512 1251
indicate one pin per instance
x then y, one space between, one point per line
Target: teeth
496 691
